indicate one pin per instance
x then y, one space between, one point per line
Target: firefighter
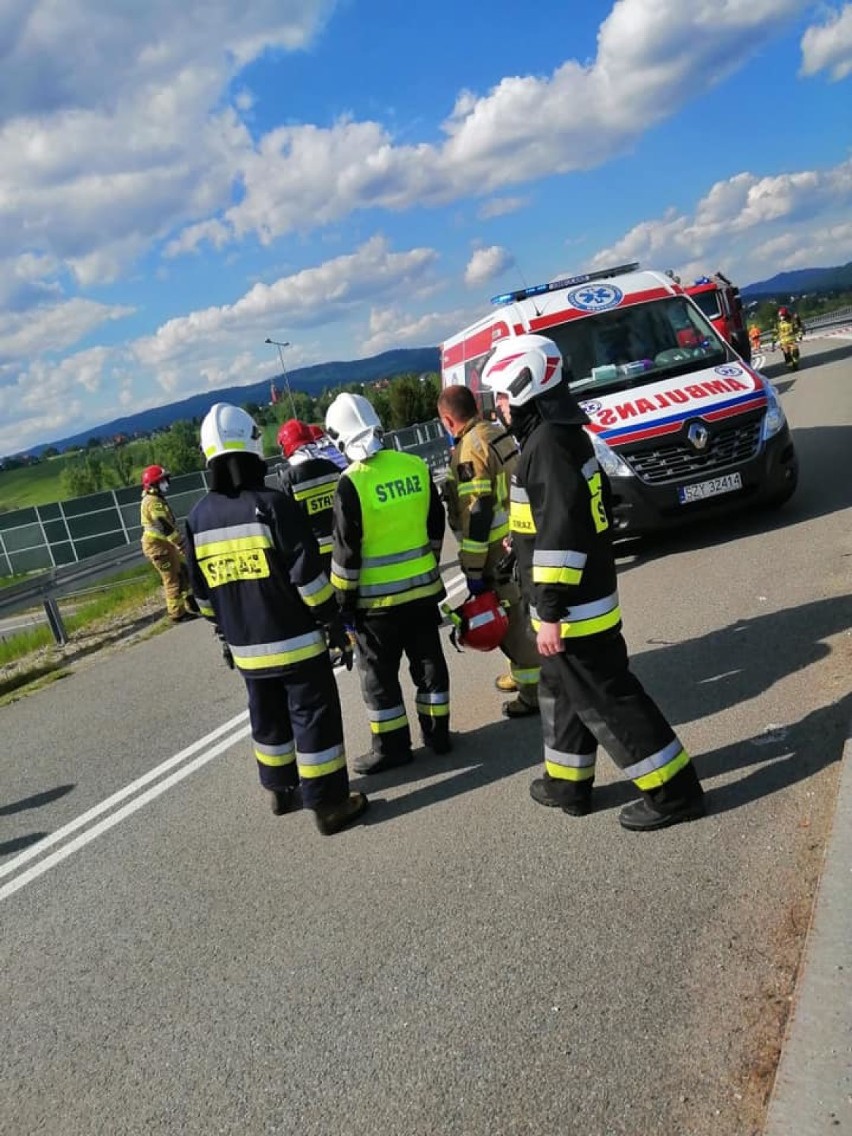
310 479
258 576
476 493
163 545
788 337
754 337
560 521
388 529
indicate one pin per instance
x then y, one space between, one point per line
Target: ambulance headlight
609 461
774 419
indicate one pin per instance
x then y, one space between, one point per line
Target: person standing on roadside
560 521
258 577
476 494
388 529
163 545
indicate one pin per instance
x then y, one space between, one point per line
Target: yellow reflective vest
388 529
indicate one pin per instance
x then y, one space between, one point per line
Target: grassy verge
113 599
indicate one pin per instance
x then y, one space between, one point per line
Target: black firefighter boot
286 800
679 800
334 818
573 797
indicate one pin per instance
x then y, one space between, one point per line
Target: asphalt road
176 959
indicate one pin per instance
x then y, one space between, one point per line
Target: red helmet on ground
152 475
293 434
481 622
784 313
317 433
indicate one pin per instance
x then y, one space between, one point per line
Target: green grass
32 485
131 588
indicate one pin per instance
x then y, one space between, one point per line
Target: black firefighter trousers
588 697
383 638
297 731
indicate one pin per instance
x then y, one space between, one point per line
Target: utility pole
275 343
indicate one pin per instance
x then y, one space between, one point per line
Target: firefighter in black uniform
560 522
477 496
388 530
310 480
257 575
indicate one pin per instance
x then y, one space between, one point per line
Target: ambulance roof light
565 282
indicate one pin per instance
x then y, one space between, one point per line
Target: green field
42 484
34 484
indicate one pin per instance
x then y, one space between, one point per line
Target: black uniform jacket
256 571
565 551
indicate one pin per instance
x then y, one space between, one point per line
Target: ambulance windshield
636 344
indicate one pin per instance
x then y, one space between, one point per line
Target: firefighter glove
226 650
338 636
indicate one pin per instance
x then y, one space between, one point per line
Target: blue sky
180 181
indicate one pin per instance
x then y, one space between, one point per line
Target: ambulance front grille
677 460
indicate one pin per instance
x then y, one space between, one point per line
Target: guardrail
54 543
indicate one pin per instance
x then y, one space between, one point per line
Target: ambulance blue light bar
567 282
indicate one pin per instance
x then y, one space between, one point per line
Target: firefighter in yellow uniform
476 493
388 529
162 544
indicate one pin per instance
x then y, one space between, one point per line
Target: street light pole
275 343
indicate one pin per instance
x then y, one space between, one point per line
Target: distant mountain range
312 380
838 279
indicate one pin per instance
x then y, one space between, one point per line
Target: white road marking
128 790
109 822
236 728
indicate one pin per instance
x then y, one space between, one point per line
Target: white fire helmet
523 367
227 429
354 427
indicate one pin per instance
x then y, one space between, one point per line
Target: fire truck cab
720 301
681 424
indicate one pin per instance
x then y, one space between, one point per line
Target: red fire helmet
293 434
481 622
152 475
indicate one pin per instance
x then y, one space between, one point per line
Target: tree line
399 402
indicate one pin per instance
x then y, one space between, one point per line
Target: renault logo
698 436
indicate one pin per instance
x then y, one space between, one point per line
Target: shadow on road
716 671
825 487
36 800
691 680
19 843
782 757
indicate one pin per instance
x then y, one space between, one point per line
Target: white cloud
486 264
113 130
391 327
309 298
501 206
749 226
52 328
828 46
653 56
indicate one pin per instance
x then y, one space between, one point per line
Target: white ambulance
681 423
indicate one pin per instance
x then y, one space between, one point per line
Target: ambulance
683 426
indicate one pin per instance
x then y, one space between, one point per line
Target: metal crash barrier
57 546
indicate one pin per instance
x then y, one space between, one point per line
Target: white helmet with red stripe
523 367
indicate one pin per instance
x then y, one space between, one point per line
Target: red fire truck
720 301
